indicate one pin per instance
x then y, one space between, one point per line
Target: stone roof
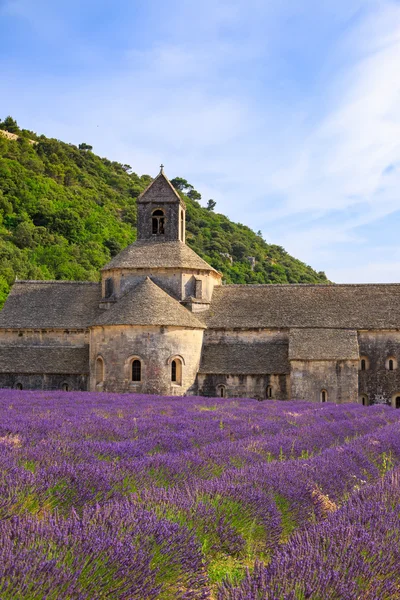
149 254
160 190
51 304
257 358
374 306
40 359
323 344
147 304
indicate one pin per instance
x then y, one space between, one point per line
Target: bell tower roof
161 212
160 191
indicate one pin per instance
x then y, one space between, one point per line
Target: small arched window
397 402
99 370
270 391
364 400
18 386
65 387
364 363
221 391
136 370
176 371
158 222
324 396
391 363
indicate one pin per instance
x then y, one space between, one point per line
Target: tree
194 195
10 124
85 146
181 185
211 204
113 245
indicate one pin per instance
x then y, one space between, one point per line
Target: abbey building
161 322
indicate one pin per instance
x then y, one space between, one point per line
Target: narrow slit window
99 370
109 287
221 391
182 227
324 396
173 371
363 365
391 365
136 370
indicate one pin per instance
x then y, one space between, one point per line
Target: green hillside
65 211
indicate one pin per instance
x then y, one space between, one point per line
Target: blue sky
286 112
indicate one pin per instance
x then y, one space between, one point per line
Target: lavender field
134 497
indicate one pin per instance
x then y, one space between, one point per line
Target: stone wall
339 378
178 284
44 381
380 385
172 223
44 337
243 386
155 347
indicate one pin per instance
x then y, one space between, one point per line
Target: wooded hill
64 212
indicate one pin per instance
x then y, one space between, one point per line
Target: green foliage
64 212
211 204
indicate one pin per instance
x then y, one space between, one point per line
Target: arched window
136 370
396 400
18 386
364 400
364 363
270 391
221 391
391 363
176 371
324 396
158 222
99 370
65 387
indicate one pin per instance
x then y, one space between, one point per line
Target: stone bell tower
161 212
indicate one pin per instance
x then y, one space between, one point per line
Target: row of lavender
134 497
353 554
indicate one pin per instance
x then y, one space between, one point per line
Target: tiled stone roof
147 304
323 344
51 304
40 359
145 254
375 306
160 190
263 358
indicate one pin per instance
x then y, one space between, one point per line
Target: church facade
161 322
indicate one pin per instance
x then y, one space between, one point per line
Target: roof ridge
304 285
52 281
162 175
119 313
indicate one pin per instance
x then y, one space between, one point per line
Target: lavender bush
107 496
